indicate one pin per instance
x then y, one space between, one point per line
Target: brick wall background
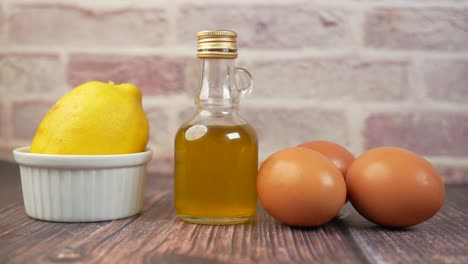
363 73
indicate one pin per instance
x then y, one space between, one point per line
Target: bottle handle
244 81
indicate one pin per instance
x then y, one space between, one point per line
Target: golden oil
215 174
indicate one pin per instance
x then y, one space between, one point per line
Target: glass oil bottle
216 152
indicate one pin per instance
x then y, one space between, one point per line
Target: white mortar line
342 3
246 54
395 106
448 161
95 5
244 2
416 80
172 11
101 50
294 103
327 3
20 142
356 120
356 21
392 3
300 54
418 108
34 97
64 59
166 100
382 53
6 7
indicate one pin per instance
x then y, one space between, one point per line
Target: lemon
94 118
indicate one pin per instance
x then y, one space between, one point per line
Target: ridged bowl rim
24 157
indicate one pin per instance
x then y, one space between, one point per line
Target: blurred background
362 73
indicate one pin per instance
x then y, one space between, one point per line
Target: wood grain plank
23 239
10 187
158 236
441 239
165 238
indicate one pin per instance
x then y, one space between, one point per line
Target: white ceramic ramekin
82 188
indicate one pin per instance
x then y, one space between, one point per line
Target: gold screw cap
217 44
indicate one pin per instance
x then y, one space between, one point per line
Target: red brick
447 80
67 25
453 174
26 117
31 74
283 127
331 79
417 28
428 133
153 75
268 26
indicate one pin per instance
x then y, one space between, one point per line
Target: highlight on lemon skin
94 118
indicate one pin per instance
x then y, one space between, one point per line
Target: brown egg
300 187
339 155
394 187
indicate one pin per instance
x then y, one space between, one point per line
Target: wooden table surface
157 236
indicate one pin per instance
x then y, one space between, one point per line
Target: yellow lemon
94 118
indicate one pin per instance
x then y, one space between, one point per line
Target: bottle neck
217 91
